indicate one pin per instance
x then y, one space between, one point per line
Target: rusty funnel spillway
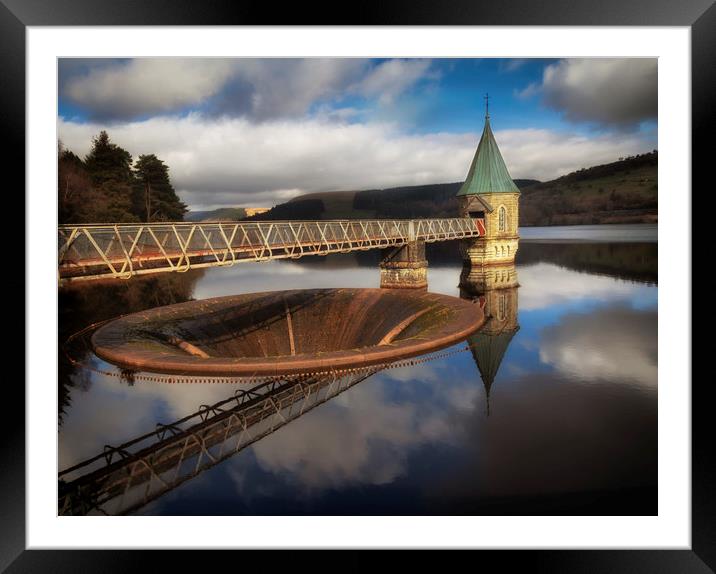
286 332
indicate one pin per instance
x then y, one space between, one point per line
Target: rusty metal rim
468 319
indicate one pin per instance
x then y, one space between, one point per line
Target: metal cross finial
487 105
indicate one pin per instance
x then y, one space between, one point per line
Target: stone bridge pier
404 267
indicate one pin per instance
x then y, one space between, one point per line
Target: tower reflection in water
494 288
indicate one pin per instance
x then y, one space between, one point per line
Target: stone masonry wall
404 267
497 246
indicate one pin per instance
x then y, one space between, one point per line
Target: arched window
502 218
502 307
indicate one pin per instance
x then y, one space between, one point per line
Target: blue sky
254 132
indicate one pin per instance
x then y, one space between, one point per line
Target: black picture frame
699 15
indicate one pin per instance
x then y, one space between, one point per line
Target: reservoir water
555 412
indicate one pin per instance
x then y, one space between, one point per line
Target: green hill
624 191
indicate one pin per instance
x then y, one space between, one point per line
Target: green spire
488 172
488 352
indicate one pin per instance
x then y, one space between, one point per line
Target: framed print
375 350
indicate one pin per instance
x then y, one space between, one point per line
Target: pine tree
110 171
154 198
108 162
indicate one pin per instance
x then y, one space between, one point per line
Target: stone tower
494 288
490 194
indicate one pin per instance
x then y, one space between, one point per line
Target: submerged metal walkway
125 250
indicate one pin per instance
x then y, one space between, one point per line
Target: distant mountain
221 214
434 200
624 191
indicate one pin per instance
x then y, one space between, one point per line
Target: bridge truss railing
126 250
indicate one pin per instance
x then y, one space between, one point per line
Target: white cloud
614 345
256 88
359 437
545 154
148 85
288 87
512 64
526 93
232 161
566 285
620 92
389 79
236 162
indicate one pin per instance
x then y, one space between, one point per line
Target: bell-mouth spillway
286 332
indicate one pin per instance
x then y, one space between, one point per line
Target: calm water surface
557 414
612 233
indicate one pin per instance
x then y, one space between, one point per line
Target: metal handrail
125 250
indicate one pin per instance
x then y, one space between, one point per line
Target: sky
256 132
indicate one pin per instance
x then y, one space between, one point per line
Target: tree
74 188
154 198
108 162
110 171
105 189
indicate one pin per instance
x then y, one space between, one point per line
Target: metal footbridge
126 250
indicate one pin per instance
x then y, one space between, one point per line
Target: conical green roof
488 351
488 172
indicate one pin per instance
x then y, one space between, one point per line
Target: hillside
434 200
221 214
624 191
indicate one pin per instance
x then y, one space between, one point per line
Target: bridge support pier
404 267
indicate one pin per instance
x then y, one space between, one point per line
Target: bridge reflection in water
124 478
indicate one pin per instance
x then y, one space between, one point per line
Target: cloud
233 161
512 64
359 437
569 286
546 154
389 79
256 88
147 86
611 344
612 92
276 88
528 92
